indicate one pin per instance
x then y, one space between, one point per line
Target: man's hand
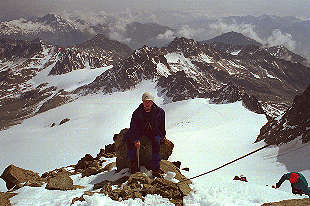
137 144
276 186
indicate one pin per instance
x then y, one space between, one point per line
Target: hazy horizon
210 8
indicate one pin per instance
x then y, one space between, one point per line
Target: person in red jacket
298 182
147 120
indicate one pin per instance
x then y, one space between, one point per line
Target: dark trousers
132 151
296 191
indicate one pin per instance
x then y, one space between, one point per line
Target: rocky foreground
173 185
136 185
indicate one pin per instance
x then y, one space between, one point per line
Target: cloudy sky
17 8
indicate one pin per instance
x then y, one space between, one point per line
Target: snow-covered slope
36 76
205 136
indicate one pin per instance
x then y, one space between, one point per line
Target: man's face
147 105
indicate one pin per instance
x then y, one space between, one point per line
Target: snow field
205 136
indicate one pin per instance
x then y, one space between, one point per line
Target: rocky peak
233 38
142 64
52 19
182 43
101 42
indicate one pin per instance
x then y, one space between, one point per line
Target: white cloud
278 38
168 35
184 31
187 32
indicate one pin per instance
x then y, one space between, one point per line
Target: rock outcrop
145 151
294 123
171 185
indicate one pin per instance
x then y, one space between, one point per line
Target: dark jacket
300 184
139 122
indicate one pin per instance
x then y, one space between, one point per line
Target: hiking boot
134 167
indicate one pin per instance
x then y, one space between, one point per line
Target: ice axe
138 158
138 153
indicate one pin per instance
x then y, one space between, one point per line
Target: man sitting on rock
148 120
298 182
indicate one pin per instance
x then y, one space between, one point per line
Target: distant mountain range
62 31
229 68
273 30
67 31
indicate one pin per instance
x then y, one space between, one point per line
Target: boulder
61 182
15 176
167 166
84 162
89 166
55 172
145 151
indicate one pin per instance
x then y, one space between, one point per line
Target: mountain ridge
184 69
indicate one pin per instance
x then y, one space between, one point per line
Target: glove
137 144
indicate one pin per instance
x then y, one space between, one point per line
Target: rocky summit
171 185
